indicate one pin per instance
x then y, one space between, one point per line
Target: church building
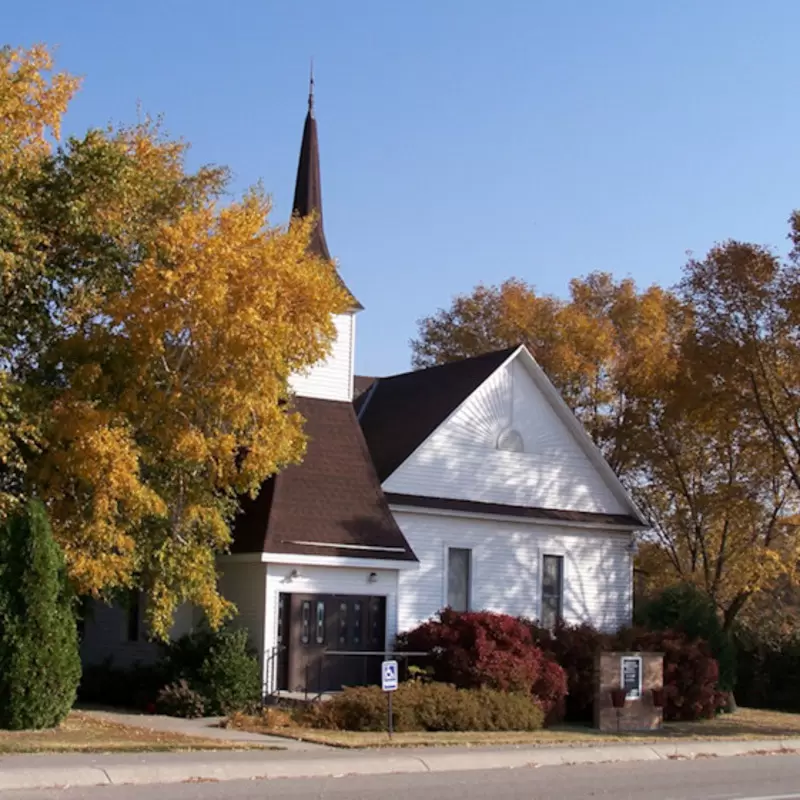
469 485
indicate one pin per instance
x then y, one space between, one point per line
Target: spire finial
311 88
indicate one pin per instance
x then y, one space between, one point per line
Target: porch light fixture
373 577
293 574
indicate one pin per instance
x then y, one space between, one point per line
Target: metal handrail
402 654
275 652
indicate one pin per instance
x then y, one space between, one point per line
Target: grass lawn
745 724
82 733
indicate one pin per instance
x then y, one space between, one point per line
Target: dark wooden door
325 635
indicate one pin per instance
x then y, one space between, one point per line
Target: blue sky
467 142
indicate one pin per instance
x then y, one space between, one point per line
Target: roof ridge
454 362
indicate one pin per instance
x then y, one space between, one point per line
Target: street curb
183 769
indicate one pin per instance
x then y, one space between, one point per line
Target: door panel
321 629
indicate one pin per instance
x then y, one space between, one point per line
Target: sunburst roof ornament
511 439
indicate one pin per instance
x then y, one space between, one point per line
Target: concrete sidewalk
206 728
45 771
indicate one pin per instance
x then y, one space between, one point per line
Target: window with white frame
552 606
459 578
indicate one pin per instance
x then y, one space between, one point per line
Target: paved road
739 778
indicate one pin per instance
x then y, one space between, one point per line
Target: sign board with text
631 677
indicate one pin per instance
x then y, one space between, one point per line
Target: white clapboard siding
331 379
506 558
244 584
326 580
461 460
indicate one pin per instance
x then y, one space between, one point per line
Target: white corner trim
320 561
533 521
352 348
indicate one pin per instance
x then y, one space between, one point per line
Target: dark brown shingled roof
308 188
361 383
332 498
502 509
401 411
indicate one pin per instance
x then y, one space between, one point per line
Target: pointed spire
311 89
308 188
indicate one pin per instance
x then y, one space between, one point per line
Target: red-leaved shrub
481 649
690 671
574 648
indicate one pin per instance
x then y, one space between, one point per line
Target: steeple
308 188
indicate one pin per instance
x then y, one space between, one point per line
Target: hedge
419 706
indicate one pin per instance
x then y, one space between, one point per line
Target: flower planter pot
618 698
658 697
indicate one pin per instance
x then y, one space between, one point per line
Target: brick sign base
638 713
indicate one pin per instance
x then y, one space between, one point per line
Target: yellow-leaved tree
146 354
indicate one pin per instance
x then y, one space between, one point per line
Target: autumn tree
147 332
634 367
716 494
594 346
747 301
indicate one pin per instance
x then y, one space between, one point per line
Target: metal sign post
389 685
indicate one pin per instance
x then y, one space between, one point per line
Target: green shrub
432 706
686 609
358 708
229 675
184 657
220 666
768 674
39 660
180 700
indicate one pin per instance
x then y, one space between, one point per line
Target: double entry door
327 641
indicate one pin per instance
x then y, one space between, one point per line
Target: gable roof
400 412
331 504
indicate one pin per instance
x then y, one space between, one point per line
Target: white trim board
446 512
320 561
